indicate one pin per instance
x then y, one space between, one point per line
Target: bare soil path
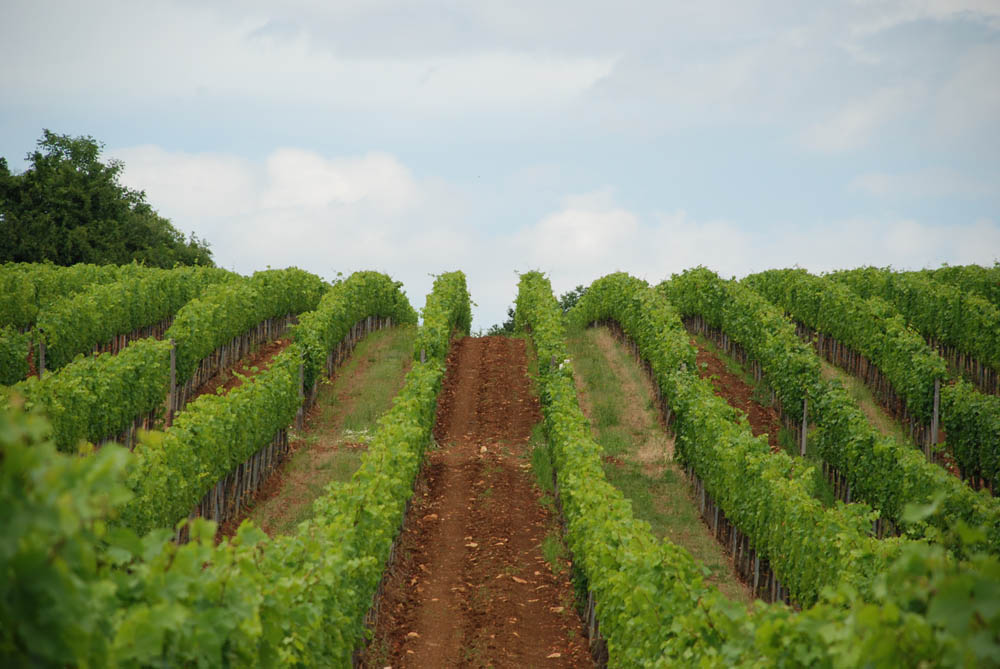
739 394
470 586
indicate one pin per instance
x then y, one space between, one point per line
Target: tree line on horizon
69 207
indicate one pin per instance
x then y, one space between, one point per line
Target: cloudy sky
574 137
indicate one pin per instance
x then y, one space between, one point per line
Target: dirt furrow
247 368
739 394
470 586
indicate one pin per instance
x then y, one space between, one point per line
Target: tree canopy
68 207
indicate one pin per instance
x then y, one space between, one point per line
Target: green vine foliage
98 397
767 495
653 605
971 420
216 433
76 324
983 281
882 471
791 366
347 302
208 440
869 326
14 347
84 591
27 288
449 311
68 301
940 311
230 309
890 475
57 597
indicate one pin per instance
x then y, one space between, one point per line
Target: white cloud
298 178
875 17
927 183
329 214
855 124
190 184
669 243
970 100
173 53
587 231
323 214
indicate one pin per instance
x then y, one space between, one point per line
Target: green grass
554 553
382 378
663 500
339 467
866 401
345 415
364 402
541 460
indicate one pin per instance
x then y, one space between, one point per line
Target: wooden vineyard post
805 426
41 357
935 418
423 355
172 399
300 414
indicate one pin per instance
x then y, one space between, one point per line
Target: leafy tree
569 299
504 329
69 207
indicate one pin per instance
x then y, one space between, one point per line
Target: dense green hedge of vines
230 309
83 591
27 288
452 312
875 329
983 281
940 311
74 325
97 397
360 295
653 605
215 433
767 495
14 347
869 326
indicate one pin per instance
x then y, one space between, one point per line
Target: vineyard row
872 340
296 600
879 470
649 599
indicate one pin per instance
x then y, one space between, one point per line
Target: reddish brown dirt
469 586
762 419
261 359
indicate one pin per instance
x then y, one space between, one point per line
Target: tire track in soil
469 586
739 395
